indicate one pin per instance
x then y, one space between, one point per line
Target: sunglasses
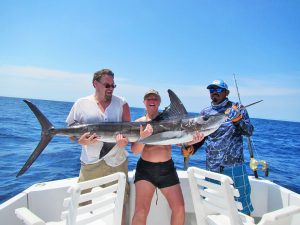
108 85
218 90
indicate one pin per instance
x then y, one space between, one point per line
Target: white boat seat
282 216
105 205
214 204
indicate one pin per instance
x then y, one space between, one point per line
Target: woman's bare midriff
156 153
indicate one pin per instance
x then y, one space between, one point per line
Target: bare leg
124 216
144 191
174 197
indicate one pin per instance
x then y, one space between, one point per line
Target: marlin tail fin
46 137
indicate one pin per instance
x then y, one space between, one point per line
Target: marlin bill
172 126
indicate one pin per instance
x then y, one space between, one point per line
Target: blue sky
50 49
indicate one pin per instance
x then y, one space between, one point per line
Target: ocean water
277 142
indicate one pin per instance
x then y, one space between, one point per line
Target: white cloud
35 72
39 72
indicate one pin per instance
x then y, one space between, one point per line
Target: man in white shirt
98 158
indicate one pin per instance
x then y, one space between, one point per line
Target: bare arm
126 113
120 139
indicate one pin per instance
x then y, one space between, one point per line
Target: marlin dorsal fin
175 109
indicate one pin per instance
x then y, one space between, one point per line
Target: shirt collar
220 105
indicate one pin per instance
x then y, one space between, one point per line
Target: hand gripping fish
172 126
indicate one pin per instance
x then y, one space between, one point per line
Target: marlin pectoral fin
106 149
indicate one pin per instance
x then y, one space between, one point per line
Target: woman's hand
148 131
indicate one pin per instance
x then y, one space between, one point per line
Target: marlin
172 126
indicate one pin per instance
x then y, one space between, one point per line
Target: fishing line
254 148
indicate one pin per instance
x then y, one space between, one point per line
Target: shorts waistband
146 163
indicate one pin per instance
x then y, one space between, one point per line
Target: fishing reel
261 165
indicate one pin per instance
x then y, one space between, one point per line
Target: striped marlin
172 126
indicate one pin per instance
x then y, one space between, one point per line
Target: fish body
172 126
165 132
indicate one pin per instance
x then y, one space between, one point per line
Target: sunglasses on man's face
108 85
218 90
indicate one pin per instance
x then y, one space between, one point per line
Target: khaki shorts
101 169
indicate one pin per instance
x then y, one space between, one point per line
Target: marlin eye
205 118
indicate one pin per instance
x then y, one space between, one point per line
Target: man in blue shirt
224 147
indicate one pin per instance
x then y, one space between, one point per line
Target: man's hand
186 151
87 138
233 114
121 140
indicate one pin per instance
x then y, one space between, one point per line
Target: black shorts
161 174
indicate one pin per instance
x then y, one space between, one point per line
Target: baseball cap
218 83
151 92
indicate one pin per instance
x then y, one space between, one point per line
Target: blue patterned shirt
224 147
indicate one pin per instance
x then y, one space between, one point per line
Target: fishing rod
253 162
